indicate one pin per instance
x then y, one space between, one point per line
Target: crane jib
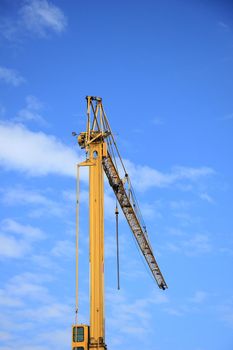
132 218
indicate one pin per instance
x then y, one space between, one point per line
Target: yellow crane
102 156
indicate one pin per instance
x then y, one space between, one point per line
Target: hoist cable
77 236
117 246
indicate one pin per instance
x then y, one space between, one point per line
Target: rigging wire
76 246
117 246
114 141
116 158
141 257
111 142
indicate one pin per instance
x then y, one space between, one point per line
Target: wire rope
76 245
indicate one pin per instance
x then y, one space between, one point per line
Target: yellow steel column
96 203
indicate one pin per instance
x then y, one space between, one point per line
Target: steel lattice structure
133 220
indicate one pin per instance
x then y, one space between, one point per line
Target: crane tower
102 156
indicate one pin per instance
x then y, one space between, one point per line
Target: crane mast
102 156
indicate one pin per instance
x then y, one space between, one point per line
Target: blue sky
165 73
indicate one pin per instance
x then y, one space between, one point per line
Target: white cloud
45 262
198 244
16 239
157 121
27 231
49 312
175 231
199 297
10 247
29 290
19 195
223 25
174 311
228 117
35 153
27 304
11 76
38 203
42 17
5 336
226 312
24 287
180 205
134 316
206 197
60 339
34 17
226 250
145 177
64 249
186 218
31 112
9 301
150 211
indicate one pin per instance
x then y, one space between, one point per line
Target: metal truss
129 208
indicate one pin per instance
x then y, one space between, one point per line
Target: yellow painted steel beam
96 222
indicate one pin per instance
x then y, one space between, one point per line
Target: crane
102 156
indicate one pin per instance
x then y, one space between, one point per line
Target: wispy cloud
206 197
34 153
27 231
227 117
39 203
28 285
175 231
41 16
133 315
28 294
223 25
8 301
11 76
34 17
226 312
16 239
49 312
64 249
180 205
226 250
199 297
37 154
31 112
145 177
199 244
11 247
192 246
174 311
157 121
19 195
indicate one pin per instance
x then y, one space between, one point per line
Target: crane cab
80 337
